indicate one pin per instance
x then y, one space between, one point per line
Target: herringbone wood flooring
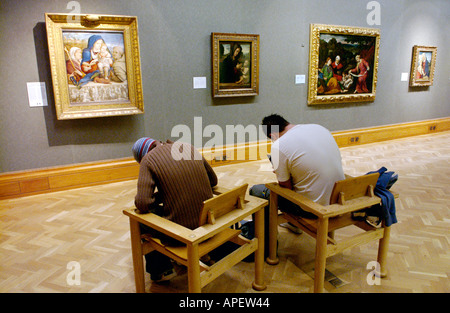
41 234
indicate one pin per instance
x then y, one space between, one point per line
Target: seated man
306 159
183 184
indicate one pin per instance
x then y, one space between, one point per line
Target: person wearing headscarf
183 180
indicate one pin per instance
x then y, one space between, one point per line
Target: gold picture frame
235 64
95 65
352 78
422 66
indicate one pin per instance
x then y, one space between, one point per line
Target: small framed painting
422 66
95 65
235 65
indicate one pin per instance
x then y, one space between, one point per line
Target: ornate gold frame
233 89
56 24
314 43
428 81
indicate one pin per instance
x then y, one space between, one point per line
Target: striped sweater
182 185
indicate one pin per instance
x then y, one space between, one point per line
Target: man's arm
146 197
281 169
211 174
286 184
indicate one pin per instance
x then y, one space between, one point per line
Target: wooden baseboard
24 183
31 182
389 132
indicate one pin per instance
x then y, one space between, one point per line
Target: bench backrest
222 204
353 187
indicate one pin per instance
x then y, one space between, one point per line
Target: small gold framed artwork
235 65
422 66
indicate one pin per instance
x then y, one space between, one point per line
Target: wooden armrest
395 193
218 190
201 233
320 210
350 206
161 224
302 201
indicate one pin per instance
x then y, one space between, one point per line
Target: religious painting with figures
235 64
343 64
422 66
95 65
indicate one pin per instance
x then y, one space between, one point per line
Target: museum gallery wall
284 68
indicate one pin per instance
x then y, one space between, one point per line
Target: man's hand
286 184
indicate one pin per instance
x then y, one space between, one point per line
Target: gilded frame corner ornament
234 76
356 80
422 66
88 83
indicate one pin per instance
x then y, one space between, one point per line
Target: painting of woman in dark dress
235 65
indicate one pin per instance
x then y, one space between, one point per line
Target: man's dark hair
274 123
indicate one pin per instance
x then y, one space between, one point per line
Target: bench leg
259 284
321 255
136 251
193 269
272 259
383 247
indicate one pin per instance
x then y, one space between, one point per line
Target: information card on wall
199 82
299 79
37 96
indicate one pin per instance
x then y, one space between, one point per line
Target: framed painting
95 65
343 64
422 66
235 65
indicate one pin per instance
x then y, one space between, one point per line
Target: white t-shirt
309 154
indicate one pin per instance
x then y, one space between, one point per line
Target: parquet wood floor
40 235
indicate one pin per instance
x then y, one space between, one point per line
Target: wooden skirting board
24 183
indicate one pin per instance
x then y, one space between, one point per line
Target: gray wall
175 46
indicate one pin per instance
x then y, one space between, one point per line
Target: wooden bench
218 214
349 195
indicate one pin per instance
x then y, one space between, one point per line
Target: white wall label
404 77
37 96
199 82
299 79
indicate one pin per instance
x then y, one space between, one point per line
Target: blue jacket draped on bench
384 183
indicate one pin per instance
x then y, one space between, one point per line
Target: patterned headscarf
141 147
